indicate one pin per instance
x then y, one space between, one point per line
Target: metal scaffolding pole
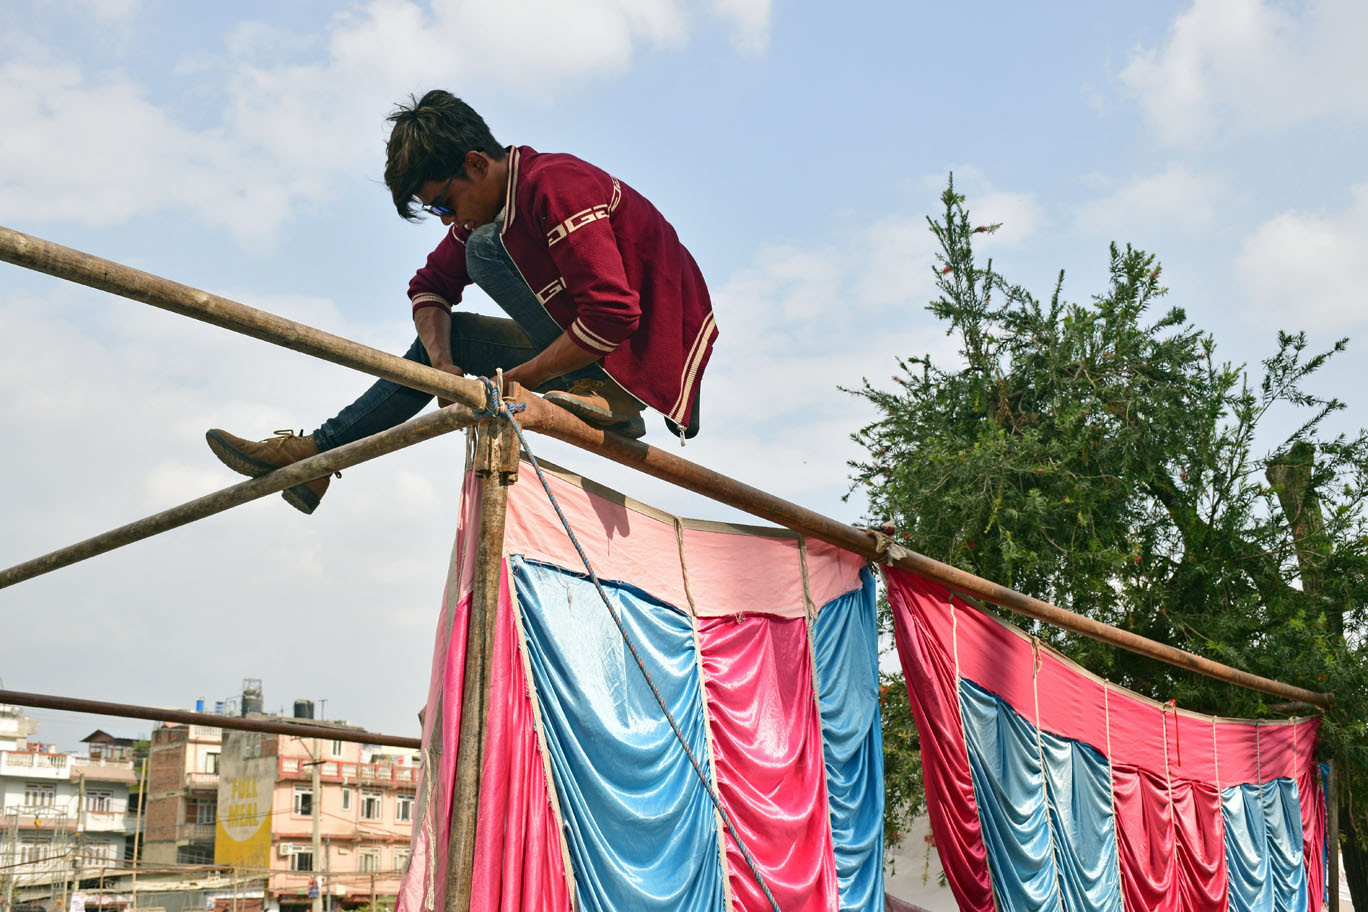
415 430
158 714
542 416
116 278
496 462
555 422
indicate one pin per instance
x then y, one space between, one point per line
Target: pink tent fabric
1167 766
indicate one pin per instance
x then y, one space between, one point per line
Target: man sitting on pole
608 310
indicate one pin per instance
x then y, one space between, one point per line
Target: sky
797 148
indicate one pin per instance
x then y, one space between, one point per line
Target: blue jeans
480 345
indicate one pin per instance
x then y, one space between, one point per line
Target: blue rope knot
494 404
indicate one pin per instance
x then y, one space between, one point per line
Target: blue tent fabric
1079 782
845 643
1264 847
1043 854
1282 816
1009 785
641 832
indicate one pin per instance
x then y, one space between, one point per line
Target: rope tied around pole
496 406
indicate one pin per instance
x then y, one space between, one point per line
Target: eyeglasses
437 208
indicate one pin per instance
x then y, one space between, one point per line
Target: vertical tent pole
496 462
1332 841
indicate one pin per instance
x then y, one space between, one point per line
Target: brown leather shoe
253 458
603 406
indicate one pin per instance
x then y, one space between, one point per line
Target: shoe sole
631 427
299 496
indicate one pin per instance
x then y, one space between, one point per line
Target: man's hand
450 369
560 357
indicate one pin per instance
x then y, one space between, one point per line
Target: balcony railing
337 771
35 765
201 780
105 821
198 832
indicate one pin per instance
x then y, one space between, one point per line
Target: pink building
266 816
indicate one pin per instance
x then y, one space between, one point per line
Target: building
364 810
182 794
62 816
15 727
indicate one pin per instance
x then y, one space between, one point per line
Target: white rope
1044 778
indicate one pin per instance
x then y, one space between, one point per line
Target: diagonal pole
415 430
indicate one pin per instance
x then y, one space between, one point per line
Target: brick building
182 794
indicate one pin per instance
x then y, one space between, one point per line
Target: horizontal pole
555 422
63 262
415 430
106 275
239 723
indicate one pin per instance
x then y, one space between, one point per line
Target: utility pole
316 803
327 872
80 835
137 830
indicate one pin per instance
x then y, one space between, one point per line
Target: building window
301 859
303 801
31 852
194 854
370 805
211 761
251 746
337 748
39 794
346 799
369 861
98 801
401 858
206 812
403 808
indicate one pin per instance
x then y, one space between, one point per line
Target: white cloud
751 19
297 114
1308 269
1253 64
1175 200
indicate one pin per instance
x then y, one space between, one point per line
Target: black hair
429 141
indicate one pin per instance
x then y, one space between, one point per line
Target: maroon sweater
608 269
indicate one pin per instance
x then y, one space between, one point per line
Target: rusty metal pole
106 275
496 463
1332 842
555 422
416 430
158 714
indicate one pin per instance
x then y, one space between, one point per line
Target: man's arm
434 330
560 357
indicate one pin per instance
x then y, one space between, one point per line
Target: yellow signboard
246 788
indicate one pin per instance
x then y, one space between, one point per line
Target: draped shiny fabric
1010 786
1247 856
1264 848
845 642
1145 836
767 746
1200 813
518 861
1201 856
921 618
1078 779
641 832
1286 870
